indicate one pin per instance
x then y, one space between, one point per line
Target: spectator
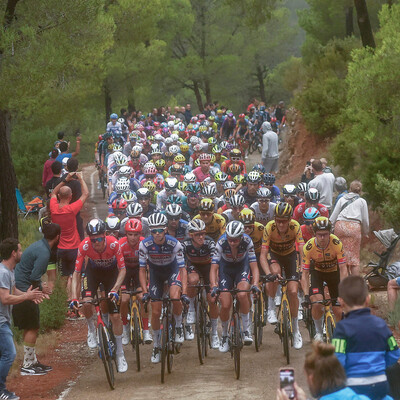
325 167
10 254
207 109
181 114
325 376
364 353
308 174
188 113
47 173
340 186
270 151
280 111
323 181
56 169
64 146
60 138
28 274
350 218
63 213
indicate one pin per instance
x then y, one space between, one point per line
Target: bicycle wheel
236 343
136 336
330 327
172 346
164 346
106 354
257 323
103 183
309 323
199 331
206 327
285 323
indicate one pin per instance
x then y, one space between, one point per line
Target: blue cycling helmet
260 168
114 116
269 179
310 214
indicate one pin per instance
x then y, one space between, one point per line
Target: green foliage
394 316
52 312
28 231
389 196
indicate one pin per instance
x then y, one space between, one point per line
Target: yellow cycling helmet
247 216
160 164
150 186
206 205
238 179
283 210
184 147
179 158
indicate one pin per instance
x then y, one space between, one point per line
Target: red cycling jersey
106 259
227 163
131 255
299 210
307 231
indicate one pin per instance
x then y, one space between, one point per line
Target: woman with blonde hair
326 377
350 219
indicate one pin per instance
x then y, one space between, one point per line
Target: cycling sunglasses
97 240
233 240
263 200
158 230
173 218
206 213
198 234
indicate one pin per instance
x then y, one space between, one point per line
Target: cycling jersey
131 255
181 230
223 250
226 164
325 260
190 211
248 199
261 217
199 256
307 232
257 236
103 260
282 244
299 210
163 196
216 227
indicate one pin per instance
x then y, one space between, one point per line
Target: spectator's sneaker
191 317
189 334
297 341
179 335
125 335
92 340
46 368
272 317
224 346
215 341
32 370
156 355
6 395
147 338
122 365
318 337
247 339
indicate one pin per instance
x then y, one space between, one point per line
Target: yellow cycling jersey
325 260
282 244
216 227
257 236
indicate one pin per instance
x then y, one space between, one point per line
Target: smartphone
286 380
308 163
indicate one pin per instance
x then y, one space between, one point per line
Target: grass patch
28 231
394 316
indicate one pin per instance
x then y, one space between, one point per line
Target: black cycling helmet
269 179
283 210
95 227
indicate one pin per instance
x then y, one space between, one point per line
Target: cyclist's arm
263 260
214 275
254 272
120 279
142 267
76 284
305 277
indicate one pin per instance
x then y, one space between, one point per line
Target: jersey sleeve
180 259
266 238
82 249
222 227
297 212
341 258
143 255
299 236
217 254
118 255
307 255
250 251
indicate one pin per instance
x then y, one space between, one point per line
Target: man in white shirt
323 182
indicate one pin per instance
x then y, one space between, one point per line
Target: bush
28 231
394 316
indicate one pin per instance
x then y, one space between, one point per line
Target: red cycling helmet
133 225
241 116
119 204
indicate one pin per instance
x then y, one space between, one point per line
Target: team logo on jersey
309 246
85 247
223 282
336 242
112 245
154 289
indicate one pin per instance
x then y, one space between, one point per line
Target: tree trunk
364 24
207 90
197 93
8 181
107 103
349 21
131 100
261 86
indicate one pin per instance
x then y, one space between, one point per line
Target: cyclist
105 265
252 228
203 172
290 195
249 192
227 127
281 237
237 204
199 250
171 187
242 133
309 216
323 258
113 225
232 264
263 207
176 226
115 129
269 181
215 223
163 254
191 202
130 250
302 188
235 158
143 195
311 200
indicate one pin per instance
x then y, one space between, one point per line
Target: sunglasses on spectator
158 230
97 240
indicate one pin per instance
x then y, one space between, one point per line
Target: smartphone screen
286 379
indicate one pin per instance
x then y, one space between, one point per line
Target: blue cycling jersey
224 251
181 231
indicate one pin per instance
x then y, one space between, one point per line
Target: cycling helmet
237 200
212 141
182 186
160 164
174 149
269 179
113 223
95 227
235 153
169 141
122 185
168 155
229 185
223 144
209 191
135 153
283 210
196 225
124 171
151 186
180 158
264 193
322 224
114 116
121 120
206 205
193 188
234 169
171 183
302 187
260 168
239 179
175 136
134 210
253 177
204 157
197 163
190 177
229 193
289 190
213 170
150 169
157 219
234 229
158 137
310 214
117 147
241 116
143 193
174 199
119 204
173 210
120 159
129 196
216 149
176 169
247 216
133 225
184 147
197 147
312 195
194 140
220 177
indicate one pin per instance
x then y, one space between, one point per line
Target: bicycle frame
328 315
284 300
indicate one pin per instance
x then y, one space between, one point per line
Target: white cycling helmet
190 177
125 170
196 225
234 229
134 210
157 219
173 210
122 185
237 200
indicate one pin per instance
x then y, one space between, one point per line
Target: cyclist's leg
332 279
242 281
226 281
272 287
193 279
